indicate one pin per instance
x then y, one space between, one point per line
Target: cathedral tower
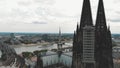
103 49
86 20
92 45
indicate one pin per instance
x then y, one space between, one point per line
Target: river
21 49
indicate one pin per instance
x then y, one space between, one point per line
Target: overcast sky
49 15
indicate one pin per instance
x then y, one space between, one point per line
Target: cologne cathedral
92 44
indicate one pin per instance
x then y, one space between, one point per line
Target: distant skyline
48 15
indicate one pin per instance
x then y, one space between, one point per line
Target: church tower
86 20
103 49
59 46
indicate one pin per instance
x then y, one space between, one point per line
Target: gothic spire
59 35
101 20
77 30
109 37
74 37
86 15
74 40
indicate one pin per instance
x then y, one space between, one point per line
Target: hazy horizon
40 33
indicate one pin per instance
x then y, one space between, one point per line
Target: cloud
37 22
114 16
116 1
48 2
114 20
24 3
52 12
17 14
118 13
